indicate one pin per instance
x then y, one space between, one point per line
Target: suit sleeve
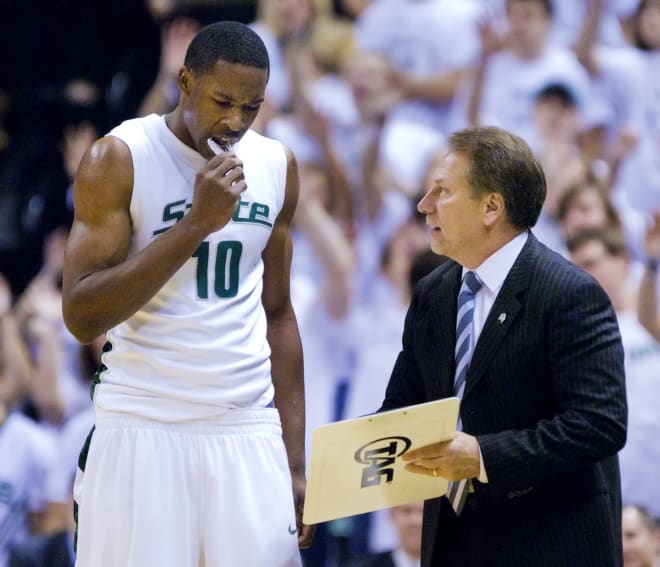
586 376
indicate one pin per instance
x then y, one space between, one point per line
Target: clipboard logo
355 465
379 457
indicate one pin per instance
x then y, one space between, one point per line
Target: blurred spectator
32 199
55 547
68 63
639 174
301 36
603 254
556 119
59 485
15 368
640 537
586 206
26 454
623 144
350 9
57 389
407 521
175 36
377 324
570 14
559 153
649 309
514 68
430 44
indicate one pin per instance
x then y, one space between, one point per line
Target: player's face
454 213
221 104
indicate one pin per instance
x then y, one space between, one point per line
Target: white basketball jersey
199 345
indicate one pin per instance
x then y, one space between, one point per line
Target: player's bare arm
102 286
286 348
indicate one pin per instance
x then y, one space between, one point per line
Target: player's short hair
228 41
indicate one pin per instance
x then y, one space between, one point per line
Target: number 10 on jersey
225 269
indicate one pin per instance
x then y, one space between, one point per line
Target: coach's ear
493 208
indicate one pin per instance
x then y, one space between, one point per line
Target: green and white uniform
183 398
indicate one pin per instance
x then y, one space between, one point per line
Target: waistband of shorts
231 421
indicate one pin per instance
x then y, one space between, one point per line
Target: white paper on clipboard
355 465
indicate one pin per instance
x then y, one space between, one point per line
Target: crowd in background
364 92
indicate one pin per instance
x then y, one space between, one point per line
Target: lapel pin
502 318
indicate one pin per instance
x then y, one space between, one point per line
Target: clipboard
355 465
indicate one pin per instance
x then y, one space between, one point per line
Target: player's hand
218 186
305 532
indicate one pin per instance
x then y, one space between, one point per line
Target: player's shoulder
253 139
270 151
140 125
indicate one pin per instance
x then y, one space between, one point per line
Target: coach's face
454 213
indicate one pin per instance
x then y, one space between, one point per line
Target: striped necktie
457 492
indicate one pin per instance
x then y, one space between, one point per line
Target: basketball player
181 255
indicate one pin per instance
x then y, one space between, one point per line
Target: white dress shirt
492 273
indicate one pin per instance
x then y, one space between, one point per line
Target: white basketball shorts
194 494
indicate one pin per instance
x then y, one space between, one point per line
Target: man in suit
543 410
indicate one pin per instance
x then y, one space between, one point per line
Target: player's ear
185 80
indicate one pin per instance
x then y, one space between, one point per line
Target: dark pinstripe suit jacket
545 396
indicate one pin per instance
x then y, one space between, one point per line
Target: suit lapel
504 312
443 314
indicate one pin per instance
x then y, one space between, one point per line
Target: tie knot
472 282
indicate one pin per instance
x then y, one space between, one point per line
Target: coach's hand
453 460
